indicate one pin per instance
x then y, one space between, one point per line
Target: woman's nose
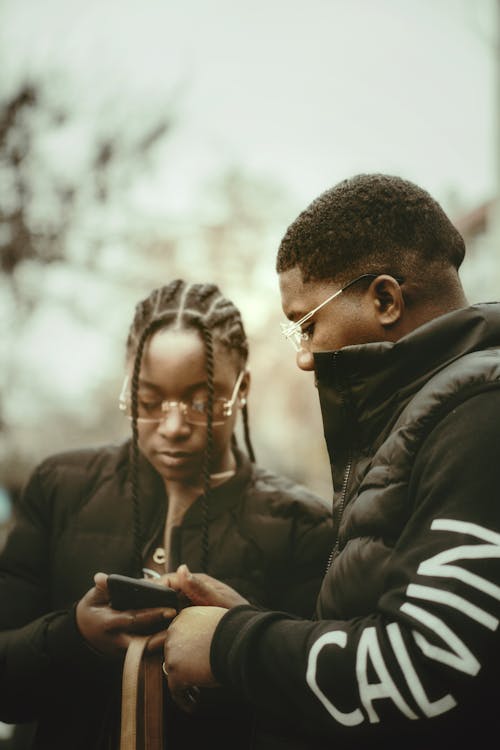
174 422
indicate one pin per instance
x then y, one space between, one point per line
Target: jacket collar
154 501
364 388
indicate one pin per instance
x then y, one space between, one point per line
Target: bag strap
142 692
154 709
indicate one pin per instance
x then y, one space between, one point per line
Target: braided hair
186 306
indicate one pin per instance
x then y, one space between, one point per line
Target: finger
101 581
197 590
97 596
183 571
156 642
101 593
139 620
169 579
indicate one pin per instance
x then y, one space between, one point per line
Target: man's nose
305 360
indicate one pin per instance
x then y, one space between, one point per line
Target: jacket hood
362 389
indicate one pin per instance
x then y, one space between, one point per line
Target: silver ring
164 669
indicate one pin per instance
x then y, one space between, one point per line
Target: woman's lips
174 459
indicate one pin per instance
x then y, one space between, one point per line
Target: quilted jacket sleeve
423 666
304 564
37 645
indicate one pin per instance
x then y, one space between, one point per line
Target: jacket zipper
340 513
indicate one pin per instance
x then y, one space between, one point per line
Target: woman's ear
388 300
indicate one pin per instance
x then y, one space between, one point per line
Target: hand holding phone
138 593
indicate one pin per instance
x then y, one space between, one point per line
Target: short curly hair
370 223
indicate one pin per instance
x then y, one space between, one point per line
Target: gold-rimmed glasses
293 330
195 411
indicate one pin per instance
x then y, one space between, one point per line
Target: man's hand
202 589
196 589
110 631
187 653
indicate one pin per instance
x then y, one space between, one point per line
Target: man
405 644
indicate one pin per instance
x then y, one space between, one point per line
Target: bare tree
45 215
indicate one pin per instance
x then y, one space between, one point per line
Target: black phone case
137 593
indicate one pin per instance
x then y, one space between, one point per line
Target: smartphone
139 593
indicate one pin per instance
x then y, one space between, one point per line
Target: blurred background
145 140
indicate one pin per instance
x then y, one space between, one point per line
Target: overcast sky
305 92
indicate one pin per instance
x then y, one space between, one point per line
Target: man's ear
388 300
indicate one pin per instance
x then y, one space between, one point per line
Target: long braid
246 429
183 306
207 462
136 507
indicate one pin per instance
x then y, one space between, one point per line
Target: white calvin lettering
427 707
336 638
455 654
439 565
369 647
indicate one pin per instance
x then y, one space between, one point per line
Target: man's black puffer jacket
268 537
405 648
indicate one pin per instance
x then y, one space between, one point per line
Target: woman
180 491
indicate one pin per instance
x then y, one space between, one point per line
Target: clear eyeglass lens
295 336
298 339
194 412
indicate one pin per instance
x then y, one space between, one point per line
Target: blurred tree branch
25 118
46 209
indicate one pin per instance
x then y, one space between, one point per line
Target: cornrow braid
207 462
182 306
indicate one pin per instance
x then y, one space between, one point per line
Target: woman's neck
191 490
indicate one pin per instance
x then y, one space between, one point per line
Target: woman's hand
110 631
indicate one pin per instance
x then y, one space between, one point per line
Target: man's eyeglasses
293 331
153 411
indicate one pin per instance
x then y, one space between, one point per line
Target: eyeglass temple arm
288 329
123 393
237 387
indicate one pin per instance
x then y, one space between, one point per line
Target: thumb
101 582
100 593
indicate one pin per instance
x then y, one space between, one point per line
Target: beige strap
142 718
154 685
130 683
